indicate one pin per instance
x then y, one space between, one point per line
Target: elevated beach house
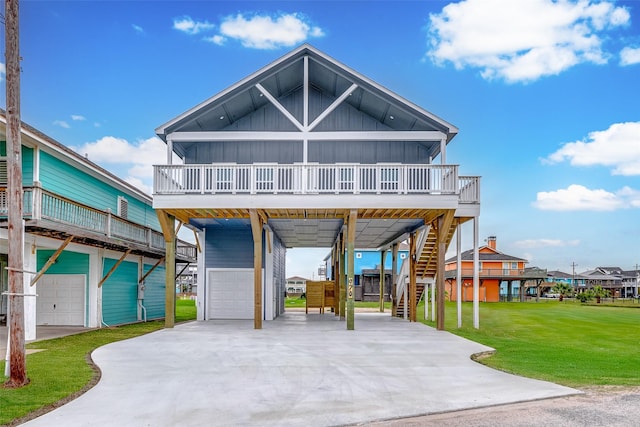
93 253
307 152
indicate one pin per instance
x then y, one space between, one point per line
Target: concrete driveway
300 370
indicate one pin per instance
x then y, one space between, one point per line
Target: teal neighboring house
92 241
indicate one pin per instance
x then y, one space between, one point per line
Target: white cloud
136 158
267 32
524 40
545 243
580 198
3 71
76 117
630 56
61 123
137 28
217 39
617 147
191 27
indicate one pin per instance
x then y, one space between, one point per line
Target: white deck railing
228 178
41 204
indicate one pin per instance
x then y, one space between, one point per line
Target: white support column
30 303
433 301
95 293
443 150
169 150
459 274
476 278
201 295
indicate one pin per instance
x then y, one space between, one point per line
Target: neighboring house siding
154 292
67 263
229 247
27 162
120 293
64 179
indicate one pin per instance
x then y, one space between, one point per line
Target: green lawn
567 343
62 369
301 302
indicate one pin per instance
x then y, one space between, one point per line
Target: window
514 265
358 254
123 207
3 170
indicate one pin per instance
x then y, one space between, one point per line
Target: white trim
299 201
435 136
279 106
332 107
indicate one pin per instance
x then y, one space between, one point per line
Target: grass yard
567 343
63 370
292 302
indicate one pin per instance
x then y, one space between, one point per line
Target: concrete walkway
297 371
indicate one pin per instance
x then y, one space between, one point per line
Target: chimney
491 242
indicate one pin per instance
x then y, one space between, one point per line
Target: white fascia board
468 210
302 201
310 136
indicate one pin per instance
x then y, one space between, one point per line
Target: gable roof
286 76
492 255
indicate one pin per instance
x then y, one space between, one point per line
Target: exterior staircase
426 268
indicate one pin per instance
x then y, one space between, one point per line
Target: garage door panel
61 300
230 293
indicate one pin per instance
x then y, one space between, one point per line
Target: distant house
92 241
500 274
630 283
367 272
610 278
296 286
575 281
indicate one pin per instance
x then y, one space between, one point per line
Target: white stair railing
402 290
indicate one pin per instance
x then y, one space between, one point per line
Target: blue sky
545 94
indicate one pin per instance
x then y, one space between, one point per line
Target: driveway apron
299 370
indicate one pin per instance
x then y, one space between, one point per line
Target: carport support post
442 248
351 237
256 229
394 279
411 300
167 223
382 257
342 278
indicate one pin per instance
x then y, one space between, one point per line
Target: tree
562 289
599 292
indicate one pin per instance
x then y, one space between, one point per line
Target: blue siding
279 271
371 259
63 179
27 162
120 293
67 263
154 296
229 246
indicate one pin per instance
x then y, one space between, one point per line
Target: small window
123 207
358 254
3 170
514 265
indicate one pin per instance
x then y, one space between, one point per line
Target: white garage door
230 293
61 300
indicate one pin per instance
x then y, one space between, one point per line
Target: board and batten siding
120 293
62 178
279 272
230 247
154 286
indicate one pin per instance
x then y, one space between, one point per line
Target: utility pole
573 277
17 359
